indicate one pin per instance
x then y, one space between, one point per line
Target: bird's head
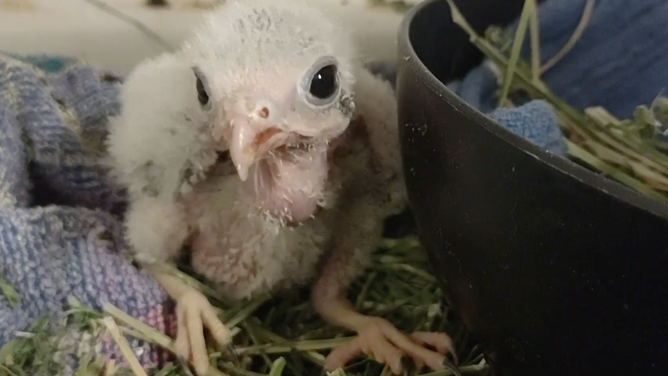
275 80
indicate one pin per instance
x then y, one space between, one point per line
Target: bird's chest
242 251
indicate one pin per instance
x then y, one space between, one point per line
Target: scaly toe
182 347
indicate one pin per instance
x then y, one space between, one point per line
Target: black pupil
323 84
201 93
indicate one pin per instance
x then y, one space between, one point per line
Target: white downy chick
247 144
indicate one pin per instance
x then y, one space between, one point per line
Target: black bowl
555 269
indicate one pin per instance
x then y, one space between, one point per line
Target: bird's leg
193 313
377 337
157 229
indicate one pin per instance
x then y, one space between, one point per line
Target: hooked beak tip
242 171
242 162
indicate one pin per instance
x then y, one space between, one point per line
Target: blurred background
105 32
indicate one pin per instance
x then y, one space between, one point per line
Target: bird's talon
449 364
407 366
452 356
233 352
441 342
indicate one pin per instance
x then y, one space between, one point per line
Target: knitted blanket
60 235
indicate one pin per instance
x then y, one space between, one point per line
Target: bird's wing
160 141
375 131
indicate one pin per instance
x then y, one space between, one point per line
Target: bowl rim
607 186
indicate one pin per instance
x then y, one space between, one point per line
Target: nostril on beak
264 112
262 109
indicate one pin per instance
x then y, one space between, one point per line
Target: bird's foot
379 339
193 313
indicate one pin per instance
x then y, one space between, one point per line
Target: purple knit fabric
58 234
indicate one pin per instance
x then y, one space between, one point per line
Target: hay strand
623 150
123 345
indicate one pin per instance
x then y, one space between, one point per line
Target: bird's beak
249 142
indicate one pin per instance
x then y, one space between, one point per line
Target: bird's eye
320 84
202 95
203 89
324 82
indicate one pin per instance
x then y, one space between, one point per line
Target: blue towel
536 122
619 63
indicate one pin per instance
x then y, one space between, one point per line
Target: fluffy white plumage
224 144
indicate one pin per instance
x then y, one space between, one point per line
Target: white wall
75 27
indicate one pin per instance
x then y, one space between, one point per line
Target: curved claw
452 366
407 366
441 342
232 351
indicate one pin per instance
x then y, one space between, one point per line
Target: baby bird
268 149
